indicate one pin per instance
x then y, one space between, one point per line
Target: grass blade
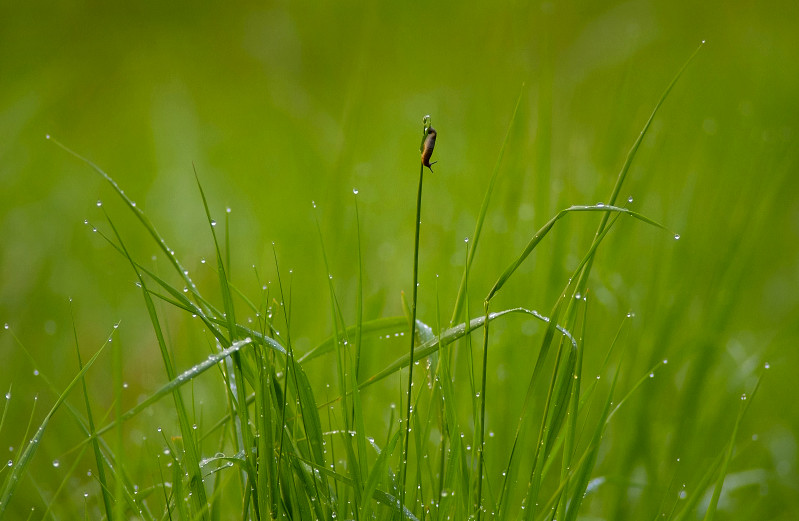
12 480
478 227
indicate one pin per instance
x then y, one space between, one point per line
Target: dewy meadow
504 345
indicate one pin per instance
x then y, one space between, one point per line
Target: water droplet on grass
99 203
766 365
56 463
676 236
213 222
355 191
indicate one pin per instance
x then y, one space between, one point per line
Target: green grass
262 353
285 444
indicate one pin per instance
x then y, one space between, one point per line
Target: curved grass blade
140 215
181 379
377 326
544 230
452 334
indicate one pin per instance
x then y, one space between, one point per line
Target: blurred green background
281 104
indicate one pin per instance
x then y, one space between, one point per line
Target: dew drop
355 191
99 203
228 210
766 365
56 463
35 372
676 236
630 199
213 222
47 136
5 326
651 375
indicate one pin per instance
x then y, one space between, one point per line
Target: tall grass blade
478 227
104 490
614 194
192 458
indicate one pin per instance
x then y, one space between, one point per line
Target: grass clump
281 451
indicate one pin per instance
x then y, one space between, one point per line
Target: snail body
427 148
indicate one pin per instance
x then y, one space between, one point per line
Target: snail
427 148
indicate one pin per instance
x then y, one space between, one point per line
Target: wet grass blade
12 480
192 459
544 230
614 194
180 380
710 514
104 490
452 334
